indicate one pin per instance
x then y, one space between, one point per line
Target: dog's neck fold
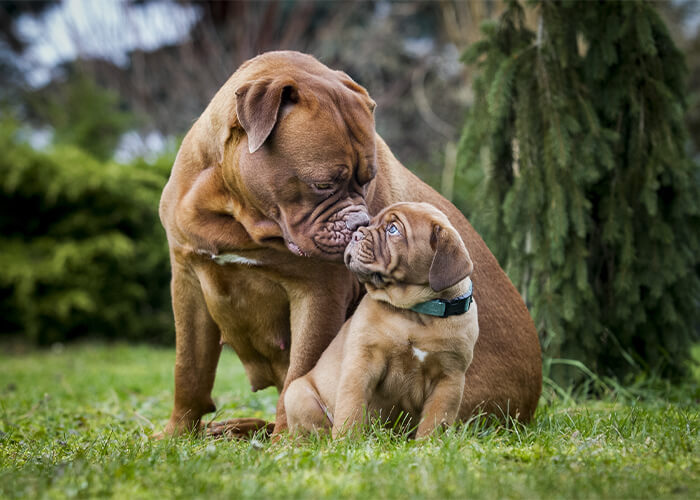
461 288
411 295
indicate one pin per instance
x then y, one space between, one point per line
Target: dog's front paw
238 428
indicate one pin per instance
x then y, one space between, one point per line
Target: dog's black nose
356 219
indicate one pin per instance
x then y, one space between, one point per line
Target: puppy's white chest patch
420 354
233 258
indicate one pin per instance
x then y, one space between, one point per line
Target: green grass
74 423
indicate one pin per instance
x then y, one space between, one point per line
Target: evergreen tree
574 169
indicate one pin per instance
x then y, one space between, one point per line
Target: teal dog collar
443 308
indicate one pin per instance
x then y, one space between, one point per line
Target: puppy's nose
357 236
356 219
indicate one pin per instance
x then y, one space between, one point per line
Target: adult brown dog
389 360
266 190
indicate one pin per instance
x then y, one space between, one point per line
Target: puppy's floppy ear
258 104
451 262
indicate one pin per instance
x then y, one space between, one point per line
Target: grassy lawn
74 423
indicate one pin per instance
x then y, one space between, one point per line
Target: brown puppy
266 190
389 360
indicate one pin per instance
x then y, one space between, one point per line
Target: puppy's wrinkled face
409 253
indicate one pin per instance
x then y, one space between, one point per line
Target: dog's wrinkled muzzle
359 255
356 237
333 235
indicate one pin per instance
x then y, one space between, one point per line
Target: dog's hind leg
306 412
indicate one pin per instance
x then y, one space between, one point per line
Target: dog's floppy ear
451 262
258 104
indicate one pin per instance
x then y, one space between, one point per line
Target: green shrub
82 252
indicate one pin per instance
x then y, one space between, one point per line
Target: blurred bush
81 113
82 252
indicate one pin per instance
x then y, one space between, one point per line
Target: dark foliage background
577 172
574 162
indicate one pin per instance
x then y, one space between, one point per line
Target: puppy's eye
323 186
392 229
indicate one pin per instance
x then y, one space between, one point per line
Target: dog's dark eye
323 186
392 229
